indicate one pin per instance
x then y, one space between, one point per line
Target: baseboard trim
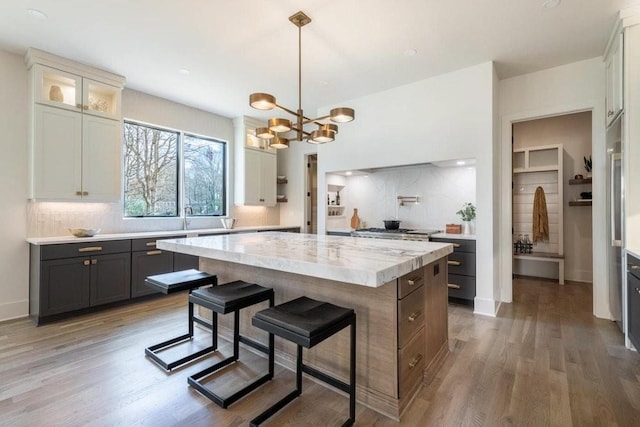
486 306
14 310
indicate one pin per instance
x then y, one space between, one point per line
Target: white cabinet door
56 154
268 178
101 161
256 185
614 71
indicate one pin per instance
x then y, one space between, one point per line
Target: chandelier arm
293 113
316 120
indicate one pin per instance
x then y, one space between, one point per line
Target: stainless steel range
398 234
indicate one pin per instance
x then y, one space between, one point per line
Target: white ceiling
352 47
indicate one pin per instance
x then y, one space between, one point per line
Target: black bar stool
307 322
223 299
169 283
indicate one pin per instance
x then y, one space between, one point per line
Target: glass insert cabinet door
65 90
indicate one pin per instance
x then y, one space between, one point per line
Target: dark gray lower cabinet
462 269
148 263
185 262
74 276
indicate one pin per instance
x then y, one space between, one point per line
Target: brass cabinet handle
85 107
415 361
456 245
94 261
454 263
154 252
414 315
609 113
90 249
78 193
86 262
634 267
78 105
85 193
452 286
151 244
638 290
412 282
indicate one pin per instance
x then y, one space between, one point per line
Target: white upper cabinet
76 141
614 71
255 166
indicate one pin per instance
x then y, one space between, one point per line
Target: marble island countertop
360 261
149 234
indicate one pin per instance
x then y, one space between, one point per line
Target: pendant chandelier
325 132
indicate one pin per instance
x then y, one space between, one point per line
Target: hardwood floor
544 361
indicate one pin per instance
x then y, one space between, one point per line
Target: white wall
14 251
575 87
441 118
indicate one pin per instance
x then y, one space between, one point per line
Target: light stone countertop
149 234
454 236
354 260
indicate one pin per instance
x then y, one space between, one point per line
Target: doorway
550 154
311 200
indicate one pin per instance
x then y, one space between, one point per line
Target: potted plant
468 214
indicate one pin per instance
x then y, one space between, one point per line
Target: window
153 186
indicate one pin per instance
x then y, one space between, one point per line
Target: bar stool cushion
177 281
311 320
231 296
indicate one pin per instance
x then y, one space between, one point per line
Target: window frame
180 190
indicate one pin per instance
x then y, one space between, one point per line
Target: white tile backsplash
48 219
442 193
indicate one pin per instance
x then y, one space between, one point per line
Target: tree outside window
151 166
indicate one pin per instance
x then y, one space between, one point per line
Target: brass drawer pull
94 261
412 282
85 193
86 262
90 249
414 315
415 361
638 291
454 263
634 267
154 252
456 245
151 244
78 193
452 286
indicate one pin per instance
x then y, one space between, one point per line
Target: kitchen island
397 288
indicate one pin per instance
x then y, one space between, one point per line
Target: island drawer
410 316
463 287
411 363
462 263
410 282
72 250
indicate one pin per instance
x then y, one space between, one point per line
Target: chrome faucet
185 223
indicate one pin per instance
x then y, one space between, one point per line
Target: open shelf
580 203
580 181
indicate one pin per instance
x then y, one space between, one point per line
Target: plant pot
466 227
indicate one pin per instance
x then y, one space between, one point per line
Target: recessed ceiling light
410 52
348 173
460 162
184 71
549 4
35 13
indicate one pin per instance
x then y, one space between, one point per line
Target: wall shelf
580 203
580 181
